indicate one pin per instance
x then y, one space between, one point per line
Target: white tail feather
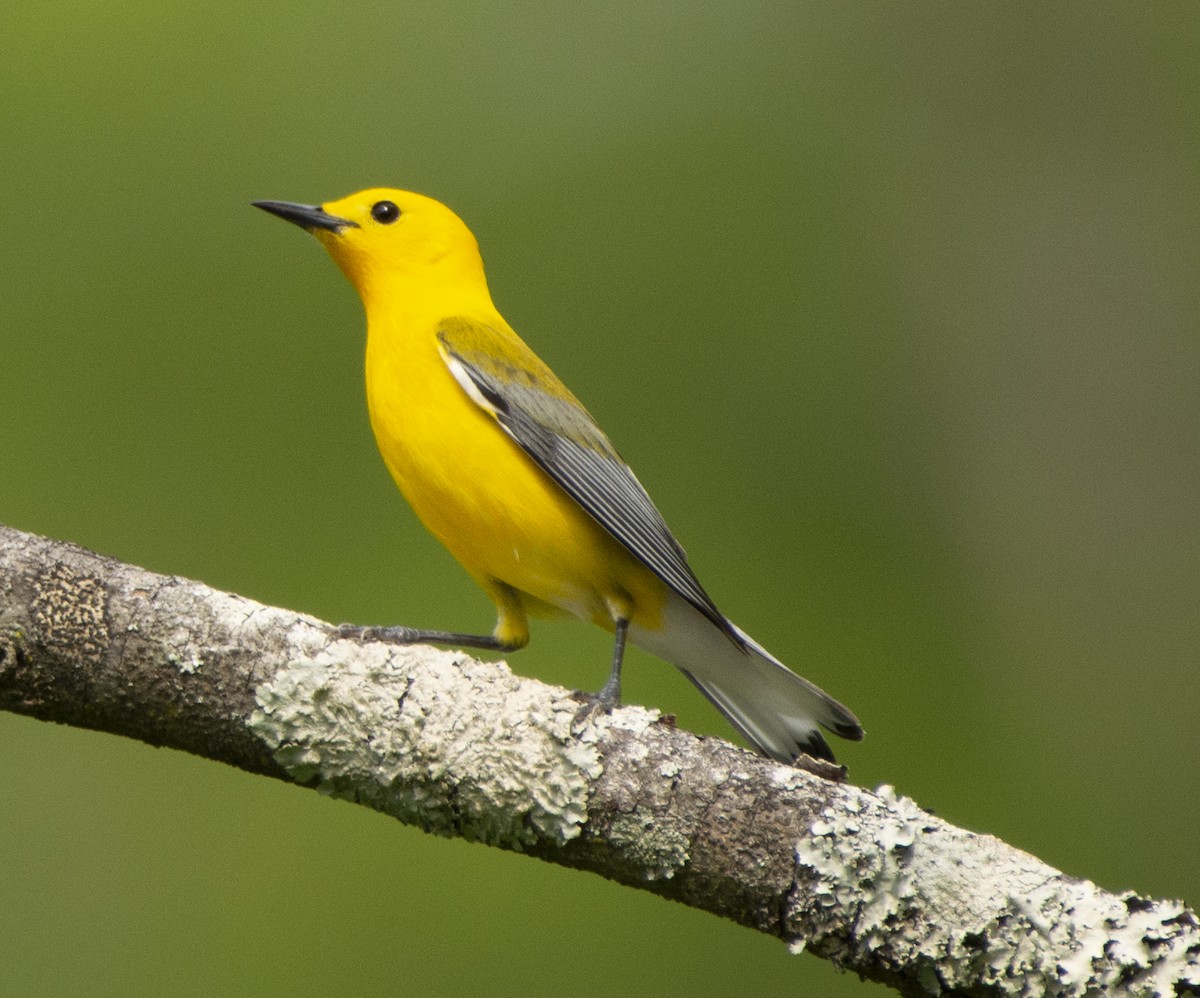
774 709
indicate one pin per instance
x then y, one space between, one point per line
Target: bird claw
593 703
396 634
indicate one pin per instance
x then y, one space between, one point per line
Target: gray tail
778 712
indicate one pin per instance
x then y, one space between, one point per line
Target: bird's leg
511 633
610 693
400 635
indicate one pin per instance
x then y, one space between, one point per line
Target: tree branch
465 748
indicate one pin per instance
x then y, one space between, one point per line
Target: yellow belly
489 503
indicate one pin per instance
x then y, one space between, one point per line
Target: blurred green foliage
894 310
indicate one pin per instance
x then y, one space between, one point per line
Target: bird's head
384 238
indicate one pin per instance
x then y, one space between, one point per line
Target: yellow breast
487 501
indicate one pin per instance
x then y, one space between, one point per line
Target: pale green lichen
227 613
872 876
653 843
436 739
964 910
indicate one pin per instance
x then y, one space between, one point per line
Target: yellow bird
510 472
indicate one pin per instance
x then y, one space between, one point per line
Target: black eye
384 212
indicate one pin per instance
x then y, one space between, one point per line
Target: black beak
307 216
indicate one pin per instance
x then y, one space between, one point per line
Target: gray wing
556 431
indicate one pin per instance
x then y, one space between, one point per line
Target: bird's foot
596 703
398 634
394 635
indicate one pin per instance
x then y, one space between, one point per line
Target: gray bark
464 748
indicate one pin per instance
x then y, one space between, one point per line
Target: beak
307 216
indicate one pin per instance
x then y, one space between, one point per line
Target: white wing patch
464 380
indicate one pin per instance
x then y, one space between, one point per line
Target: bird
509 471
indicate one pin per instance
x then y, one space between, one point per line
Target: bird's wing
510 382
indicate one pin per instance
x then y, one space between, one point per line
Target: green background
893 309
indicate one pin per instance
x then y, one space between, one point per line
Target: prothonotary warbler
509 471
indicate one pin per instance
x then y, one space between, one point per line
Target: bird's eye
385 212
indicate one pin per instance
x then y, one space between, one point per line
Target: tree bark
464 748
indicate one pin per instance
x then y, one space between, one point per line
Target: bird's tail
775 710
